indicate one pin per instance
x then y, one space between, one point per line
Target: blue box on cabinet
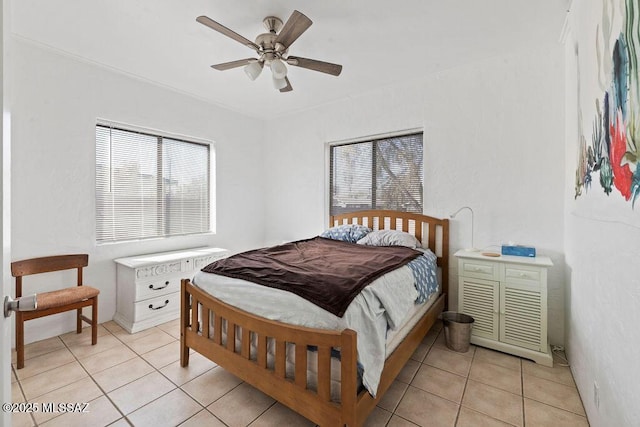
518 250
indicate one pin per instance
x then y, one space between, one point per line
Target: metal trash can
457 330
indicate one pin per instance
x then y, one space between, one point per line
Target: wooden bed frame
317 406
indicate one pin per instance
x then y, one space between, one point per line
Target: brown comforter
329 273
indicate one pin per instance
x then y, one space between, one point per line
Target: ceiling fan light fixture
253 70
278 69
279 83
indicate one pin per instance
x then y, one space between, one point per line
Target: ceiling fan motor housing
272 24
270 50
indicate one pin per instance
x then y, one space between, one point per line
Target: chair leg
94 321
79 321
19 340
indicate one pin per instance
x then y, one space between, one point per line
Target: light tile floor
137 380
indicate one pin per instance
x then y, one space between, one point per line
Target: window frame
171 136
370 138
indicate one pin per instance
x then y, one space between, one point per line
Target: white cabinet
148 286
507 297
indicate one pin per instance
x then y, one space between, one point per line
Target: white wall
54 105
602 236
493 135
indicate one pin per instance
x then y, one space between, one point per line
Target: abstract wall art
608 158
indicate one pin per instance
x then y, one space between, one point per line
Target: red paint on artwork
622 175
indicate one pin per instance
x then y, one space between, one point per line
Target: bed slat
281 358
432 239
324 372
194 314
418 231
262 351
231 336
206 315
246 343
301 366
348 375
217 329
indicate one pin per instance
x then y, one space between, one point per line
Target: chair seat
65 296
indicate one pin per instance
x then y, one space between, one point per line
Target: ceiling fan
272 49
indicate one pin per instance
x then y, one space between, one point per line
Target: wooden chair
58 301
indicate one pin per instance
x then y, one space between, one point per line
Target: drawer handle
158 308
161 287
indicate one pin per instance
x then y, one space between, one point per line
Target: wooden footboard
197 306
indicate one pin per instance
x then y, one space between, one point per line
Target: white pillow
390 238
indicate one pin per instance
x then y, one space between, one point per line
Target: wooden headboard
432 232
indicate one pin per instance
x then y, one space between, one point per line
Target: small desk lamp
453 215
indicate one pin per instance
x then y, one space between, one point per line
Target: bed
227 339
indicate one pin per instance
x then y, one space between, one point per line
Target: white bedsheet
385 302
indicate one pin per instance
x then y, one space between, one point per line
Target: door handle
26 303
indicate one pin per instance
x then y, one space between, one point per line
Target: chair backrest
47 264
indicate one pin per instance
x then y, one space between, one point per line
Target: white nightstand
148 286
507 297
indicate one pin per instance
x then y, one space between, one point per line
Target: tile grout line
524 414
464 389
177 387
125 417
33 418
261 413
409 385
104 393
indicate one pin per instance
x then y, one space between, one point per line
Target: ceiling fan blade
288 87
312 64
227 32
293 28
233 64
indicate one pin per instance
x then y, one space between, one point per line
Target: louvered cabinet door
479 299
522 317
523 307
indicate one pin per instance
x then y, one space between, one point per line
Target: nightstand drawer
479 269
522 274
158 306
154 288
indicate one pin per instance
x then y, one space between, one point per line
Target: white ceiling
377 42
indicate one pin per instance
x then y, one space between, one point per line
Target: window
150 185
377 174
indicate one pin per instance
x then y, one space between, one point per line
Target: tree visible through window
379 174
150 186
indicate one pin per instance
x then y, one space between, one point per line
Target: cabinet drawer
154 288
156 306
479 269
522 274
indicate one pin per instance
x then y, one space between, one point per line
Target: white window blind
377 174
150 186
